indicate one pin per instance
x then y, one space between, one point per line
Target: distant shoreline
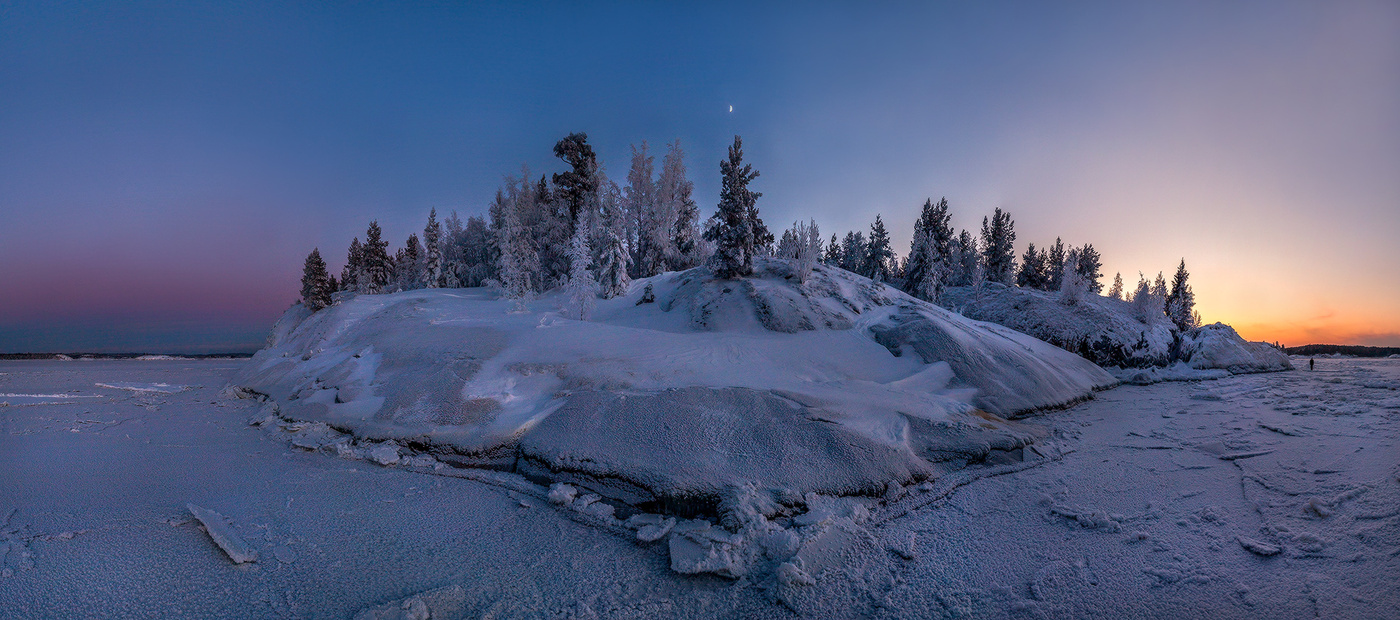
1343 349
123 356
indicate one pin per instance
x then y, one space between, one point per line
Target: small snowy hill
675 395
1108 332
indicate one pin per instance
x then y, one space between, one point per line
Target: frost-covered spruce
612 257
1032 273
316 287
1073 286
933 227
518 262
1181 301
1055 265
1087 265
581 291
998 247
378 270
353 271
432 246
736 229
683 218
879 256
969 259
1116 292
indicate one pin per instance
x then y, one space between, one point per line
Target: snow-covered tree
581 180
833 252
409 266
353 271
1146 304
1033 269
927 283
853 253
935 229
612 259
1087 266
432 248
1073 285
378 268
803 245
646 225
519 262
969 258
581 292
736 229
879 256
316 286
1055 265
1159 290
1116 291
998 247
1181 301
682 217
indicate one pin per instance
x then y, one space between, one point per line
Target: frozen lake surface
1274 495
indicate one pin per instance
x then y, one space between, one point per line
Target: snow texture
1264 495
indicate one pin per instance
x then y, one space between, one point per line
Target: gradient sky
165 167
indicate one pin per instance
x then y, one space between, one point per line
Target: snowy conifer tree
354 267
1033 269
647 230
582 290
681 215
1087 266
969 259
1073 286
409 265
927 283
1055 265
1181 301
581 180
1159 290
853 252
833 252
1146 305
316 286
735 228
612 256
932 227
1116 292
998 247
878 254
519 262
378 268
432 248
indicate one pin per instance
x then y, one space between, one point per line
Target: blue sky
164 167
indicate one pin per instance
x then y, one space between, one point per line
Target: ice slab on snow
223 534
838 384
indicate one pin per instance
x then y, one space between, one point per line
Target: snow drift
838 385
1110 333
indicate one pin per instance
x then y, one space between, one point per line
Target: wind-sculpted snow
1110 333
838 386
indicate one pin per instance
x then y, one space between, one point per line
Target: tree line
579 230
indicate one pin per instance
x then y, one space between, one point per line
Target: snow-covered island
588 408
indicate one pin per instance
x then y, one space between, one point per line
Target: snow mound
671 401
1218 346
1103 330
1109 332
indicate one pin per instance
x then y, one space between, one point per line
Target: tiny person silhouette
1310 363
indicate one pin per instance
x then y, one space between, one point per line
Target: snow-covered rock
837 385
1218 346
1110 333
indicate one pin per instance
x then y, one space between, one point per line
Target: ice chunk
791 574
562 494
697 547
223 534
1258 548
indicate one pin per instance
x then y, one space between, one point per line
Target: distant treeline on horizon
123 356
1343 349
